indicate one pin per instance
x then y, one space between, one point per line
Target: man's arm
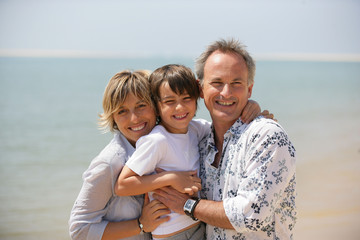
268 187
210 212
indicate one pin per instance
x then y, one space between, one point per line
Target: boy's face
135 118
176 111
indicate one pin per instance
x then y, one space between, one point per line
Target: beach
49 110
329 196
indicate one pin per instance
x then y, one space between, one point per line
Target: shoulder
112 157
268 133
264 125
200 126
156 136
199 122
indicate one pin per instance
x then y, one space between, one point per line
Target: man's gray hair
225 46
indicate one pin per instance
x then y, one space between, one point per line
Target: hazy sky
177 28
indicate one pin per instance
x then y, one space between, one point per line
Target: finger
189 191
159 213
265 112
157 205
146 199
158 193
159 170
193 173
195 189
196 179
162 220
244 114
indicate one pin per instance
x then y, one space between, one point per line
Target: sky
142 28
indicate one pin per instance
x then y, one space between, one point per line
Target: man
247 170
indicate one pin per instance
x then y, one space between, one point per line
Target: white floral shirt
255 180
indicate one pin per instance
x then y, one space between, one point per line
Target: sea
49 134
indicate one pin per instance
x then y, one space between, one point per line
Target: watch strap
190 213
141 226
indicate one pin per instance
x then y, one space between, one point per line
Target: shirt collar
234 129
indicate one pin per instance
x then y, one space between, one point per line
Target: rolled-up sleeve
265 188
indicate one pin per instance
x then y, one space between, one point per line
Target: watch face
188 204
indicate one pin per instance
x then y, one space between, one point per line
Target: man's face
225 87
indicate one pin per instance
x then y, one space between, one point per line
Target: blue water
48 118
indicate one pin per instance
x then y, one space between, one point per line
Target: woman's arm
129 183
252 110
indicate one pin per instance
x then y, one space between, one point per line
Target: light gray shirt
97 203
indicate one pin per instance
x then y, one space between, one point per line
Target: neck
221 128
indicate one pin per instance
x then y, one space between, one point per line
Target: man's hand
171 198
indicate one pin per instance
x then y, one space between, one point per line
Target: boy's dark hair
180 79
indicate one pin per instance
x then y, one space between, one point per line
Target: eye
187 98
216 83
122 112
169 101
142 105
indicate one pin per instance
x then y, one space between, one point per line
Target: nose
134 117
226 91
179 106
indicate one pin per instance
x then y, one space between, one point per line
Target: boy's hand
185 182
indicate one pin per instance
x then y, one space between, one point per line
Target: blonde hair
117 90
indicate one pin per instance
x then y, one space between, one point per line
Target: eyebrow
234 80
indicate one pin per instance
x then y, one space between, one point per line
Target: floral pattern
255 180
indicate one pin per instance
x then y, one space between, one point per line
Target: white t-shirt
171 152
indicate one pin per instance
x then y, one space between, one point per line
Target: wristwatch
141 226
189 207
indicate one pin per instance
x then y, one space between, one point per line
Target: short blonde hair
117 90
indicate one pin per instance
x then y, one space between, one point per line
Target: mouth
138 127
179 117
223 103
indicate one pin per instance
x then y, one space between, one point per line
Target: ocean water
48 118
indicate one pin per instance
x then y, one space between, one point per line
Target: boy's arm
130 184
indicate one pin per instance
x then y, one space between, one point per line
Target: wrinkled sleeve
268 182
86 220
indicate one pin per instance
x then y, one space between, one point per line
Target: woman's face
135 118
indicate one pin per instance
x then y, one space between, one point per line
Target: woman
98 213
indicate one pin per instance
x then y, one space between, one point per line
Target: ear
250 90
200 88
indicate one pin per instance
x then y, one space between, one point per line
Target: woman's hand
251 111
268 115
153 214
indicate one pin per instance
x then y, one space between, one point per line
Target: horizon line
41 53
